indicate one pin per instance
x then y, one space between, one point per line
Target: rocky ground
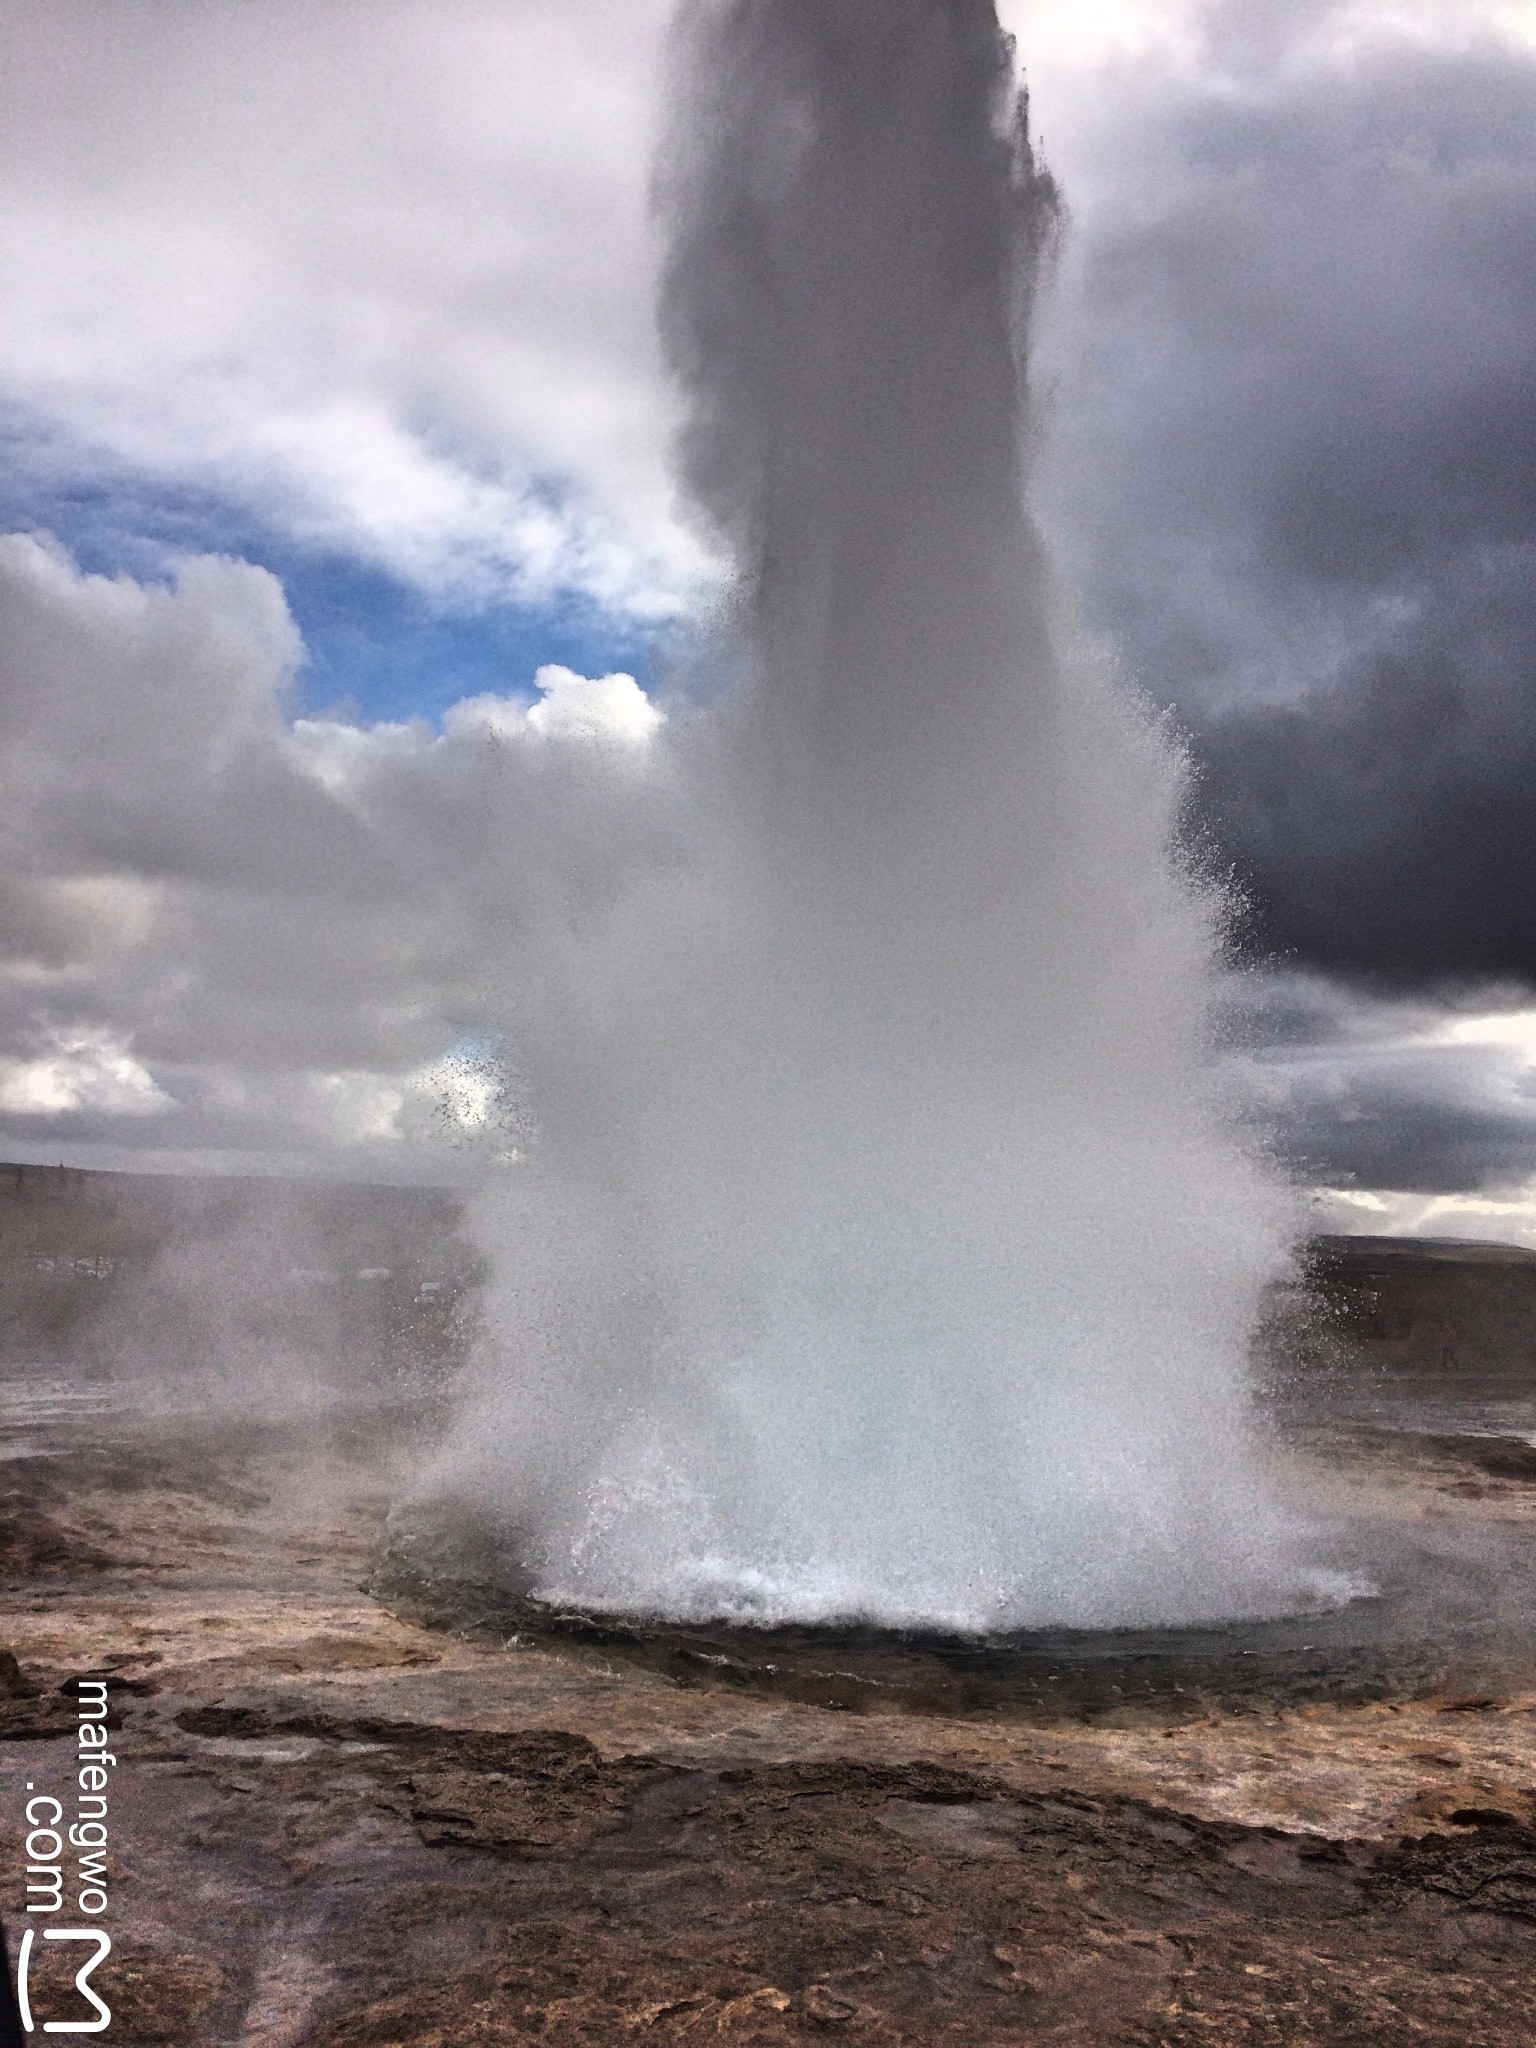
335 1828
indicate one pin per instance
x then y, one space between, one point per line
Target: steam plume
883 1247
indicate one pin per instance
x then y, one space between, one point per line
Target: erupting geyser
883 1246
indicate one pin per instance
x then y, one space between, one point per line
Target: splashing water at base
882 1247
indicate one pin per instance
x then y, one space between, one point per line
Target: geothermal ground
337 1827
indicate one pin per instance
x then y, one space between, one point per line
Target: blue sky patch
378 648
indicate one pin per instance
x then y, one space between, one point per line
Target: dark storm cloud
1388 829
1369 1091
1399 1140
1433 1121
1300 465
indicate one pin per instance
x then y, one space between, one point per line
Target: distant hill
1431 1302
99 1263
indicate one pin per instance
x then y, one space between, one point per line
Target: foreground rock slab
332 1828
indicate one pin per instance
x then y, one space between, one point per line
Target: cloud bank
380 283
377 277
1297 458
239 930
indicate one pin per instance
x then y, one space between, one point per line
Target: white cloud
256 937
1363 1212
84 1070
577 707
267 933
358 1109
1512 1031
382 276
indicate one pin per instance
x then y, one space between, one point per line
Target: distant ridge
1461 1251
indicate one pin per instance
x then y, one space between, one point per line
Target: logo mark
23 1972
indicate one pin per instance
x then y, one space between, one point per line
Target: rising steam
882 1246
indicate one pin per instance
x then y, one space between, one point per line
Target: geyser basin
1435 1528
1447 1615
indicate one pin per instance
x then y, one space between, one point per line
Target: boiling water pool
1423 1499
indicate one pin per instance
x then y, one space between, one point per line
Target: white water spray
883 1248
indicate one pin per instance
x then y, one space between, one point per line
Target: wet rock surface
336 1827
448 1885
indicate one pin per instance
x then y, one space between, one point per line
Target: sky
343 577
